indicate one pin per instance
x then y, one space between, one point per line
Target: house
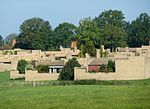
95 64
43 61
130 64
56 66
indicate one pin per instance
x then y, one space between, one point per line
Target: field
4 77
134 96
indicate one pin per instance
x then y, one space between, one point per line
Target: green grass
76 97
4 76
135 95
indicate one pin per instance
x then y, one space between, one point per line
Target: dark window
7 62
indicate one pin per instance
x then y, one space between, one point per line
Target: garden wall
126 69
35 76
15 75
8 65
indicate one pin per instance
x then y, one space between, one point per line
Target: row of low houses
9 61
130 63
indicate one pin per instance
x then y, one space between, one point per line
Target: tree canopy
64 33
109 28
139 31
88 29
35 33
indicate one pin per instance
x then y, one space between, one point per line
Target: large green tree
88 36
88 29
139 33
111 25
64 33
35 33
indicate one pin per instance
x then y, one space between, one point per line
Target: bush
111 66
7 52
20 78
29 67
85 82
103 68
100 82
15 52
33 63
67 72
93 71
21 66
42 68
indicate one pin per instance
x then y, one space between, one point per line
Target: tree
111 25
88 29
114 37
139 33
1 40
82 51
89 48
35 34
88 36
21 66
64 33
68 71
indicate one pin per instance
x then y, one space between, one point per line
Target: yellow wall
35 76
128 69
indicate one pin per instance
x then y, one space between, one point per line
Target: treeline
109 28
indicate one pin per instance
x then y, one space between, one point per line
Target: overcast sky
14 12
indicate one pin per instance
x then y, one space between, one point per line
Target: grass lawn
4 76
76 97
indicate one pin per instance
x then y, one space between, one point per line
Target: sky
14 12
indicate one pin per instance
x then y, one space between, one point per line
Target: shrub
7 52
111 66
103 68
93 71
21 66
29 67
42 68
33 63
15 52
85 82
67 72
20 78
57 58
